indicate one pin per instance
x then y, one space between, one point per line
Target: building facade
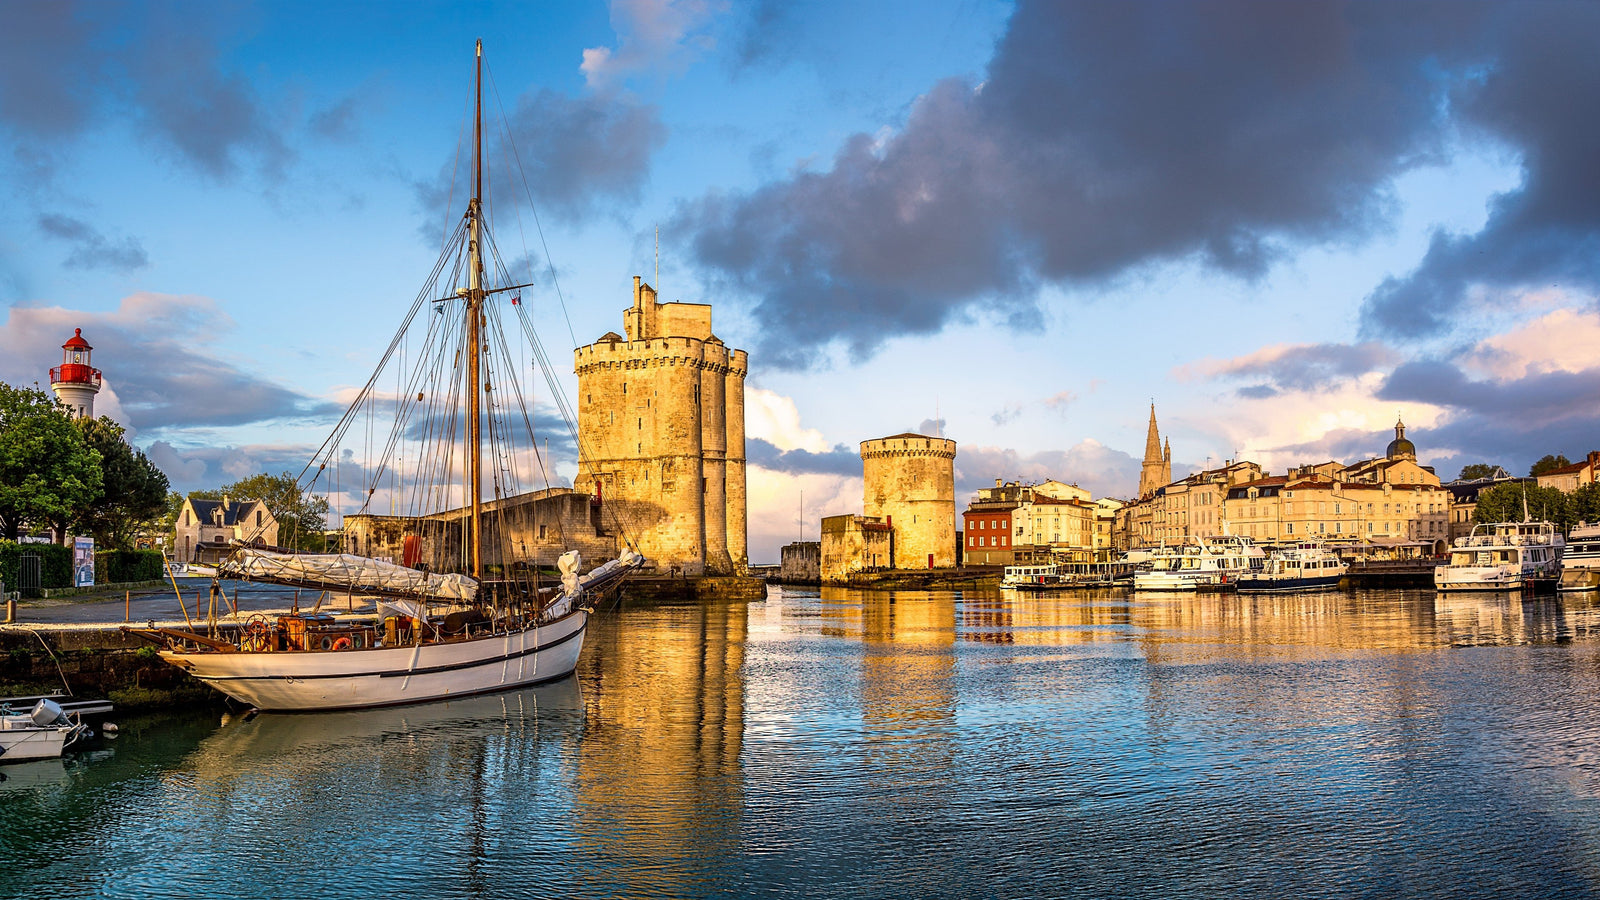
1569 478
205 529
909 482
661 428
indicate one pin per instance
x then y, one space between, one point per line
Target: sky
1014 224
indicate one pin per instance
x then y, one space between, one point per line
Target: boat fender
343 644
327 643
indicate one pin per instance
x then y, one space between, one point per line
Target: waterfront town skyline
817 192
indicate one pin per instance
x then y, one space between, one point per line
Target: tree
1548 463
1504 503
135 491
48 472
1583 504
1477 470
301 518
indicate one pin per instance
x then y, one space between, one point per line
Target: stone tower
661 423
75 381
1157 469
910 480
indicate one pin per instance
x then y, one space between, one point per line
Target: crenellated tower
661 421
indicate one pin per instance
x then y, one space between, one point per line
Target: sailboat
463 611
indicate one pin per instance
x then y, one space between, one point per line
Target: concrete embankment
94 662
915 580
654 590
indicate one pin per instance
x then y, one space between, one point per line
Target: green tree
1504 503
1583 505
48 472
301 518
1548 463
1477 470
135 492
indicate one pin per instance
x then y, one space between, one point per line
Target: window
624 389
980 542
1288 528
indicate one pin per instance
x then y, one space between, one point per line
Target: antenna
658 259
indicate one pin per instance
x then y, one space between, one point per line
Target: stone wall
909 482
854 544
801 562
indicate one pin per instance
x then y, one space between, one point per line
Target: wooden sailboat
449 622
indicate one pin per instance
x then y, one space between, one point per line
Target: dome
1400 447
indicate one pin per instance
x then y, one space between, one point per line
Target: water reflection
838 743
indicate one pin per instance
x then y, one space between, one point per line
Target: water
855 744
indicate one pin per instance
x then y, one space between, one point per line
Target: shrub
120 566
55 564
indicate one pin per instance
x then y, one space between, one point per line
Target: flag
516 300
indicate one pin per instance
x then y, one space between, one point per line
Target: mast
474 337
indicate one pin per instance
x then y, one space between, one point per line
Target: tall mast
474 323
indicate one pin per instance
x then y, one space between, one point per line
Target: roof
232 514
76 342
1573 469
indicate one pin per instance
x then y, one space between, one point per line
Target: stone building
531 529
1571 477
204 529
661 422
853 544
800 562
910 483
1157 468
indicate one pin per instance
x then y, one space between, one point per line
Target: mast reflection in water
852 744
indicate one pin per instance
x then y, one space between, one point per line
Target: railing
74 373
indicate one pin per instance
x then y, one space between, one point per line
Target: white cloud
775 419
774 503
651 35
1565 340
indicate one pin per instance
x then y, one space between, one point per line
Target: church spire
1157 468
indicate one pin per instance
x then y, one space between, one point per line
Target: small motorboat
43 732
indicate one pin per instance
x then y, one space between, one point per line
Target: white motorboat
43 732
1207 565
1504 556
1580 563
455 618
1034 578
1306 566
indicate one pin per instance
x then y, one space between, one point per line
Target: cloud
1007 414
194 468
1103 471
652 36
91 249
147 350
65 66
1060 401
336 122
578 154
774 418
1534 93
1098 144
1294 367
1560 341
840 460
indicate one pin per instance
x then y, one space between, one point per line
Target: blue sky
1285 224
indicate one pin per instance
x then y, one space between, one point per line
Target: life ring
327 643
343 643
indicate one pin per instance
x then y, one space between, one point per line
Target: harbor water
911 744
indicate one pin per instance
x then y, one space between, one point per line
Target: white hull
1477 578
20 743
389 676
1175 581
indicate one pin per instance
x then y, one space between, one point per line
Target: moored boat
44 731
1504 556
1580 562
1306 566
1211 565
466 610
1034 578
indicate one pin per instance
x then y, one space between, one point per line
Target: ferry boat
1307 566
1214 565
1506 556
1580 564
1034 578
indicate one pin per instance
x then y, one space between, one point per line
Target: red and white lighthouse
75 381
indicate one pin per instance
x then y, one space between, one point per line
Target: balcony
74 373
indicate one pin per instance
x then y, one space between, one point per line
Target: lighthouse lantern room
75 381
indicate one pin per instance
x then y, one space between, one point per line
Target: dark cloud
1106 136
64 65
205 468
152 367
1304 367
1535 92
1536 401
841 460
91 249
580 155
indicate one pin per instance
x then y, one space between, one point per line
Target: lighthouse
75 381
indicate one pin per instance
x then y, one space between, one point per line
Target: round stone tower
910 479
661 422
75 381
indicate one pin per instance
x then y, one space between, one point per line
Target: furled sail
344 571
